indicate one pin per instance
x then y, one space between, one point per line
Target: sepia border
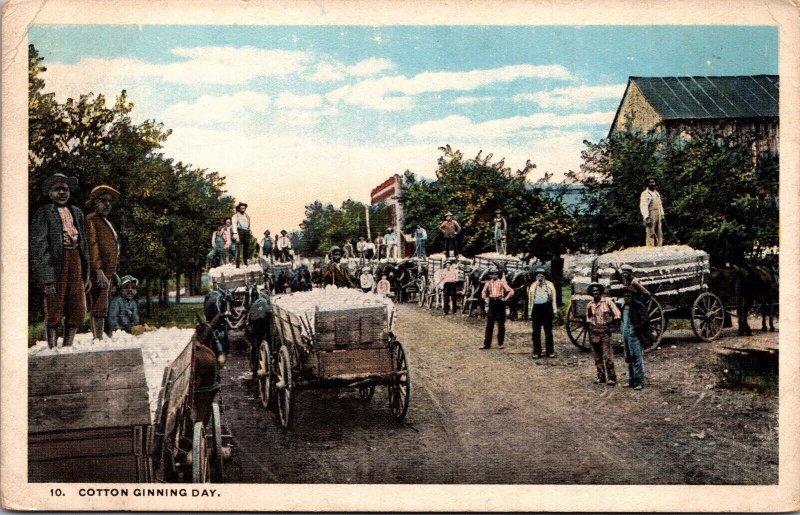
16 493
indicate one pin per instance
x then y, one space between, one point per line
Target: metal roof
744 96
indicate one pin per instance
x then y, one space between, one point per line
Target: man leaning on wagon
60 259
104 249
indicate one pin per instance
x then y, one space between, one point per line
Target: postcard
399 256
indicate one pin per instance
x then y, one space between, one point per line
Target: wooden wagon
676 277
339 348
431 294
91 420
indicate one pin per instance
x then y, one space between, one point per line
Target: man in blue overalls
635 333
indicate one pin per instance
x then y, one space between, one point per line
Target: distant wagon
675 275
333 338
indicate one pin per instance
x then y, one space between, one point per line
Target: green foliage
325 225
166 210
472 189
715 199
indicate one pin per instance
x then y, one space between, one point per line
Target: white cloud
216 109
332 71
393 93
471 100
578 96
456 126
288 100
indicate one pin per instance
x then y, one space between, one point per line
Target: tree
325 226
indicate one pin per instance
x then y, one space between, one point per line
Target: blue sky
336 110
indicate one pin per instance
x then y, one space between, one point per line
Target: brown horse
745 285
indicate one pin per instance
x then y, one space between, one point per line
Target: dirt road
497 416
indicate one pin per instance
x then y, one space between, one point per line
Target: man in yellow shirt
542 308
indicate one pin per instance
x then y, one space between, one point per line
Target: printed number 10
56 492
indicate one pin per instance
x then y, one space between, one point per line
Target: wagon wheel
708 316
400 387
657 323
577 329
423 290
216 433
366 392
200 469
284 387
265 376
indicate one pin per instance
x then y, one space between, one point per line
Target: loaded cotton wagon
120 410
676 277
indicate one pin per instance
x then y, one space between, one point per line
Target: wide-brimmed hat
283 231
125 279
103 189
448 214
265 232
626 268
72 182
596 286
498 211
240 204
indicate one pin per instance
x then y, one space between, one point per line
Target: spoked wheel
284 387
366 393
577 329
400 387
201 472
422 286
265 376
708 316
216 433
657 323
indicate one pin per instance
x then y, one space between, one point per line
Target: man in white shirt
241 233
284 246
391 243
361 249
652 211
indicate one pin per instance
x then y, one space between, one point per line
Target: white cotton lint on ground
159 350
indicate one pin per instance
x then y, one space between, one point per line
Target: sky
293 114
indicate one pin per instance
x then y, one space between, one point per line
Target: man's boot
51 334
69 335
97 327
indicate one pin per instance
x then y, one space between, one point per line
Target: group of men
602 317
74 257
230 242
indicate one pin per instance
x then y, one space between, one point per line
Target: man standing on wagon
653 214
500 232
60 259
241 232
284 246
103 254
450 229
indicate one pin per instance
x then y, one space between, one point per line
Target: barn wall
638 110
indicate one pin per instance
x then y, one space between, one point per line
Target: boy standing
601 313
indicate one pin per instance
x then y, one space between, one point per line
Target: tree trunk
178 288
163 294
148 295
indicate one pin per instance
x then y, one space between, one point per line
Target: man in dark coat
103 244
335 273
635 335
59 259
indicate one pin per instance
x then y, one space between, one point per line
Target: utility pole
369 236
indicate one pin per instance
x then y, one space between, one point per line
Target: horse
743 285
278 278
218 307
258 327
405 279
476 278
519 281
301 279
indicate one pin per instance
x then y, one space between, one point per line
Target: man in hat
542 309
59 258
266 246
380 247
450 229
103 245
367 280
635 333
448 283
390 238
629 281
500 232
284 247
335 272
123 313
652 211
241 233
497 292
347 249
220 245
361 249
601 313
420 238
